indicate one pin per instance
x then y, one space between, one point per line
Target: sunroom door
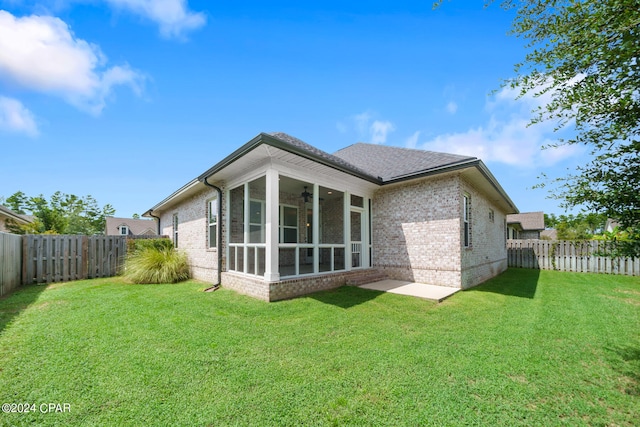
357 233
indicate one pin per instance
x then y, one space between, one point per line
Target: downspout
219 237
156 217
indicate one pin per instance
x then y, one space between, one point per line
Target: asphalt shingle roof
136 226
319 153
528 220
393 162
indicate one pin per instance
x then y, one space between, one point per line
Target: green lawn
527 348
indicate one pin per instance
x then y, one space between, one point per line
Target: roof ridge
394 147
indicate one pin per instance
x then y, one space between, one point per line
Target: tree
584 55
62 214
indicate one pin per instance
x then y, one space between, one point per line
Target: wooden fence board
568 256
54 258
11 262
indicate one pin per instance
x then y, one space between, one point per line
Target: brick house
279 218
526 225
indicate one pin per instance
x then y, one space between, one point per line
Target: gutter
153 216
218 237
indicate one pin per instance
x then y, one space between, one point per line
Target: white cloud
506 137
368 129
41 53
452 107
173 16
379 130
412 141
14 117
362 122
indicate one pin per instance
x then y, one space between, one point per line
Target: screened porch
282 227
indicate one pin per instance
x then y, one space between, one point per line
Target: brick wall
193 233
288 288
487 255
416 230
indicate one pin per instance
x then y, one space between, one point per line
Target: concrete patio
420 290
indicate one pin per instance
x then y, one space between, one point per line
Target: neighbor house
527 225
130 227
279 218
7 216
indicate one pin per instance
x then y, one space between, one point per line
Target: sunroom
291 215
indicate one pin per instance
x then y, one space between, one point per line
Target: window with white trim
124 230
288 224
175 230
466 216
212 222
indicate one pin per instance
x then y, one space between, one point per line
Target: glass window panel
305 260
356 226
236 215
240 264
255 234
332 218
357 201
232 259
338 259
286 263
261 261
290 215
256 215
290 235
325 259
251 260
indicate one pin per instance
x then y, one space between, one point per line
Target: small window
491 215
288 224
467 220
212 222
124 230
175 230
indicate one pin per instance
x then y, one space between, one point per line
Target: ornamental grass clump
156 265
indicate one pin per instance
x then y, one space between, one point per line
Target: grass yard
527 348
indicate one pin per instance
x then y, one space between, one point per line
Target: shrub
135 245
156 265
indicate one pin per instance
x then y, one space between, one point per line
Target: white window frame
212 222
282 227
175 230
466 220
124 230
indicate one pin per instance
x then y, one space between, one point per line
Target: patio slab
421 290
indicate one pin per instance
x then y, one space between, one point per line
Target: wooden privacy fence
60 258
10 262
562 255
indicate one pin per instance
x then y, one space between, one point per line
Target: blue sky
127 100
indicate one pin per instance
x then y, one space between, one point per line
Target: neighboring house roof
136 226
376 164
528 221
19 218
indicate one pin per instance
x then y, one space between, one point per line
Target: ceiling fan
305 194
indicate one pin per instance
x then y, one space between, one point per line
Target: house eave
267 139
12 215
460 166
176 195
